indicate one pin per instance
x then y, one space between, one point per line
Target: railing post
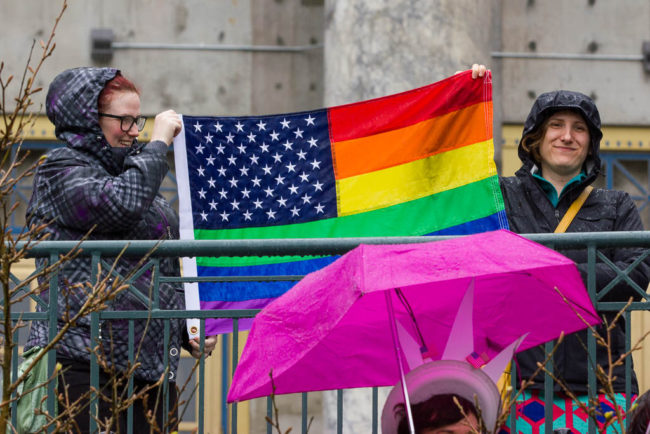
14 374
52 313
235 360
591 339
156 283
304 411
225 349
164 397
95 342
269 414
548 390
129 412
339 412
375 410
201 375
628 365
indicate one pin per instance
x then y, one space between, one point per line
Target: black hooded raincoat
530 211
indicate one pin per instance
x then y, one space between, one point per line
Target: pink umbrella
332 330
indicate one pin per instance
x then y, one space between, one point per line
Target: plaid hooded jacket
81 188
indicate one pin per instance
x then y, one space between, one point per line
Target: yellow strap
505 388
504 382
573 210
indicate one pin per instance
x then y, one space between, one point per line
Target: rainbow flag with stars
416 163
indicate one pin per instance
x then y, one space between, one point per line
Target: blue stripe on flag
239 291
489 223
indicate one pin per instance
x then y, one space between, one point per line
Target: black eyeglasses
126 122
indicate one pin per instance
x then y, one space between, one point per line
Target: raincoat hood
71 105
551 102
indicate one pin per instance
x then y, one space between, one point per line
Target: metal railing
591 242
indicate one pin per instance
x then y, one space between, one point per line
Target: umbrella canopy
332 329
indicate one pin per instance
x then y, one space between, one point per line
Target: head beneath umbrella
458 393
443 397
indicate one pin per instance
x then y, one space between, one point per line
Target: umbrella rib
398 354
409 310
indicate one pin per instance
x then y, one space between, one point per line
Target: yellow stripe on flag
416 179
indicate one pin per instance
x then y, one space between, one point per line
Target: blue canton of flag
260 171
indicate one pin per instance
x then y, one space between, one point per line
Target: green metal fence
97 250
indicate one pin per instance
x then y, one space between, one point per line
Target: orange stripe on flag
424 139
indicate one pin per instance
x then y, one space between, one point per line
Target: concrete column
379 47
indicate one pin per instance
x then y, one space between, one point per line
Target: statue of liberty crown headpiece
459 371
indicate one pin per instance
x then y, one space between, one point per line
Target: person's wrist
161 137
161 140
158 145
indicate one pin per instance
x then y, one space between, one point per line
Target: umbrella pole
398 354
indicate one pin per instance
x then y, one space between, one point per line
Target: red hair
118 84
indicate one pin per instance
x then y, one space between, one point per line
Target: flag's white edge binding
186 229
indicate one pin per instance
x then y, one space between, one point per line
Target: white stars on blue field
260 171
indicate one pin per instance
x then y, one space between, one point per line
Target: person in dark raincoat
105 183
559 150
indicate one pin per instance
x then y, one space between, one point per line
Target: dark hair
435 412
533 140
118 84
640 416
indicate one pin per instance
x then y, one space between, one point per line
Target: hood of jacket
71 105
550 102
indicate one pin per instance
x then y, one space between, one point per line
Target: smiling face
565 145
121 104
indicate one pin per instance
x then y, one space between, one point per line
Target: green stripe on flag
469 202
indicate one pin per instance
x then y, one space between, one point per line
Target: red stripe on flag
375 116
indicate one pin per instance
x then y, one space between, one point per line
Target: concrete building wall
191 81
593 27
284 82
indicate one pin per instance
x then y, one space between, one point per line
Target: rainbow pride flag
415 163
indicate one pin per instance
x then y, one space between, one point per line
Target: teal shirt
551 192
